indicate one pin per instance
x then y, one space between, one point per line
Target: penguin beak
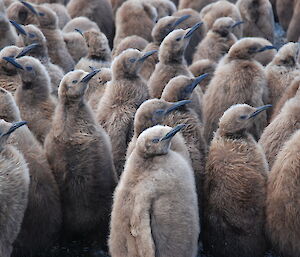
27 49
259 110
189 88
30 7
192 30
79 31
180 20
177 105
13 62
265 48
18 27
89 76
237 24
14 126
146 55
173 132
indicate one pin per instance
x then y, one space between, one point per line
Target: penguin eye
74 81
29 68
155 140
169 25
243 117
158 112
31 35
252 49
178 39
132 60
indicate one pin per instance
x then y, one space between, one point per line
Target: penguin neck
172 58
241 134
4 26
72 104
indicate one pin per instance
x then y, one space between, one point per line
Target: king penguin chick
282 70
237 79
35 36
123 95
259 18
162 28
217 41
80 23
156 181
171 60
235 188
219 9
267 56
178 89
99 53
135 42
33 96
281 128
282 226
97 87
135 17
42 221
99 11
76 45
49 26
86 186
8 35
14 181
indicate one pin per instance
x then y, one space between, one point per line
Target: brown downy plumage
81 23
134 42
155 203
259 18
135 17
99 53
19 13
265 57
293 32
197 36
235 188
99 11
61 12
289 93
282 210
203 66
97 87
281 128
162 28
219 9
163 7
217 41
238 79
14 181
42 221
8 35
285 14
35 36
86 179
282 70
123 95
76 45
33 96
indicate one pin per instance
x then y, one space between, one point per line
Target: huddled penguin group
149 128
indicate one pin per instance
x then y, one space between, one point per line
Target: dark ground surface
77 249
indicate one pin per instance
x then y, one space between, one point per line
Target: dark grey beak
237 24
14 126
192 30
146 55
265 48
79 31
259 110
180 20
18 27
177 105
30 7
173 132
89 76
13 62
27 49
189 88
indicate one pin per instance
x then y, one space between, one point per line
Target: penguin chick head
21 14
128 63
34 35
165 25
74 84
236 120
156 140
224 25
97 43
47 18
153 112
287 55
8 107
6 129
247 48
173 46
6 67
181 88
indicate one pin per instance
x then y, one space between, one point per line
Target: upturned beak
173 132
79 31
180 20
13 62
189 88
89 76
18 27
265 48
146 55
14 126
192 30
30 7
27 49
177 105
259 110
237 24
